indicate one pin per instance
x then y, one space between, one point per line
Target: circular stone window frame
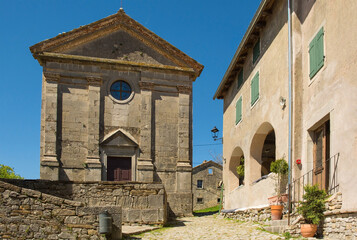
109 85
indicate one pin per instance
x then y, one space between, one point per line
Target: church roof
56 46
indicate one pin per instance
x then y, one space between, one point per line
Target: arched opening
262 151
268 153
236 160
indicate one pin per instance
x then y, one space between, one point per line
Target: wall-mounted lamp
215 132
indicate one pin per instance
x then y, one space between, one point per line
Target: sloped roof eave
252 24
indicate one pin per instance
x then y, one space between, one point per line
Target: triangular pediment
119 138
121 45
117 37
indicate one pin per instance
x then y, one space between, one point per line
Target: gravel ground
209 227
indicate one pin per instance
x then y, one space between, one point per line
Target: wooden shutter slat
239 110
320 49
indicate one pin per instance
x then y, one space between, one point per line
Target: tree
8 172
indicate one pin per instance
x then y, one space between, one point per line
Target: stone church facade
117 106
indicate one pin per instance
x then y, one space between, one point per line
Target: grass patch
208 210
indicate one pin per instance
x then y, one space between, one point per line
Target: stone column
92 164
49 161
184 167
145 165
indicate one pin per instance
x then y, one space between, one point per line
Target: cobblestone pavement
209 227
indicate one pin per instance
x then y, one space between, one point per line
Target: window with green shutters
316 52
256 51
254 89
239 110
240 79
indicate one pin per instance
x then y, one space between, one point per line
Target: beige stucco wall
265 115
331 93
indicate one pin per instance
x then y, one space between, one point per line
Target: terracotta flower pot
308 230
276 212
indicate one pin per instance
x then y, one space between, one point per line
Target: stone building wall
30 214
140 202
210 193
260 215
91 132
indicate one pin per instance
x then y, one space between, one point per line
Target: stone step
276 229
277 226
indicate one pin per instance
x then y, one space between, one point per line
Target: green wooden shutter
255 89
316 52
239 110
320 49
240 78
256 51
312 54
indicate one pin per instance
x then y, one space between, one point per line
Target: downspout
290 108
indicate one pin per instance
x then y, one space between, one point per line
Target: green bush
313 205
240 168
279 166
8 172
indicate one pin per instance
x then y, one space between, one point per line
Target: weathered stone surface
33 217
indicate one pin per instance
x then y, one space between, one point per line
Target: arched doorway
234 179
262 151
268 153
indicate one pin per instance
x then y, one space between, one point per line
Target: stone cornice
184 89
146 86
52 77
96 81
42 57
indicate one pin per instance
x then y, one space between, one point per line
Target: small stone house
255 93
206 185
117 106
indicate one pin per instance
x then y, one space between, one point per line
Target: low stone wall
338 224
142 203
250 215
30 214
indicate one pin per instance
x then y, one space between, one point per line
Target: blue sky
208 31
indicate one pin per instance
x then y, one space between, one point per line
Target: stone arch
262 151
234 162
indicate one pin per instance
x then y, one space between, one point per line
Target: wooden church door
119 169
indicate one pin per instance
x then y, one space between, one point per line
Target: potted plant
281 168
240 171
312 209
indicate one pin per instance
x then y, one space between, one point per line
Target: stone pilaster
184 167
49 160
145 165
93 165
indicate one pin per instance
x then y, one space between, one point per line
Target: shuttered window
254 89
256 51
316 52
239 110
240 79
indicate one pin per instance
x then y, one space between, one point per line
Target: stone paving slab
209 227
130 230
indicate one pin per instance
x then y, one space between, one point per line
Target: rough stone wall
210 191
140 202
30 214
338 223
250 215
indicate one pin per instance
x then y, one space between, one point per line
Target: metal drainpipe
290 108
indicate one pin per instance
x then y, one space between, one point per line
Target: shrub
313 205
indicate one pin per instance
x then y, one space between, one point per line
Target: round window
120 90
